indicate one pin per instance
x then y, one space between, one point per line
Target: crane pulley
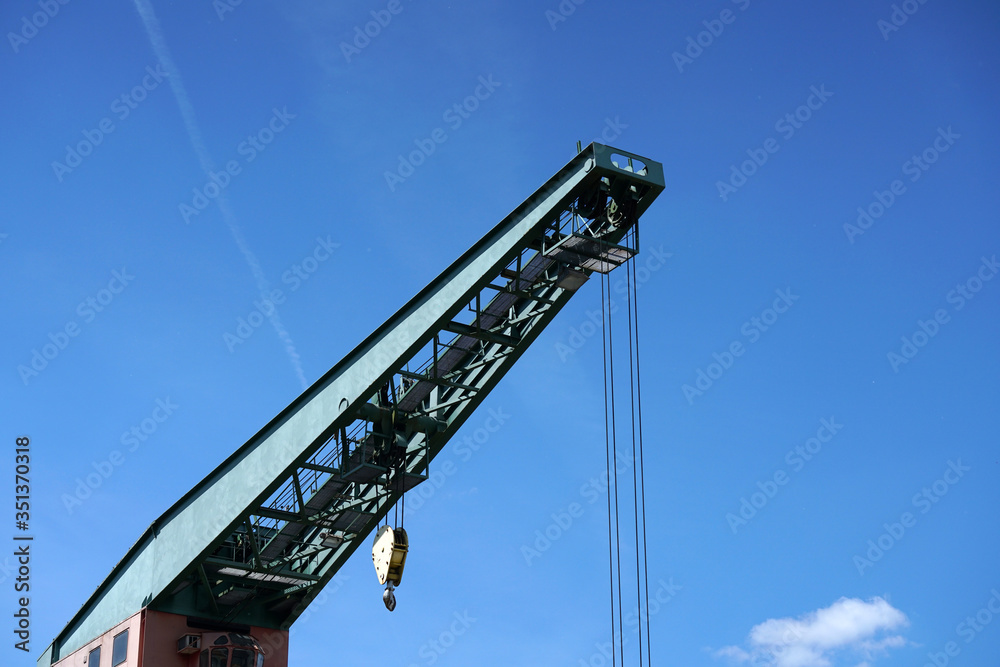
389 557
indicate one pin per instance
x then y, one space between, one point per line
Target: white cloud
852 627
734 652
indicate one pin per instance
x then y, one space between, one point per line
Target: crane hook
388 597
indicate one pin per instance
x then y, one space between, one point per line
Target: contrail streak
207 165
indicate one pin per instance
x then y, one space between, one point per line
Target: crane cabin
157 639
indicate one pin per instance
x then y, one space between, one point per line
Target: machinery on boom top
219 578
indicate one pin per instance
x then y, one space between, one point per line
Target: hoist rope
642 479
614 459
640 489
638 471
607 445
630 291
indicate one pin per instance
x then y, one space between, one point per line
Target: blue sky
873 395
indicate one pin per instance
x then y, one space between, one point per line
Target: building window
216 657
220 657
94 658
119 651
243 658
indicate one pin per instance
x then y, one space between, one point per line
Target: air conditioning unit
189 644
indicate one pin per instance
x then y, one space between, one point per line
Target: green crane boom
259 537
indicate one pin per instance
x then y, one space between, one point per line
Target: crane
218 579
